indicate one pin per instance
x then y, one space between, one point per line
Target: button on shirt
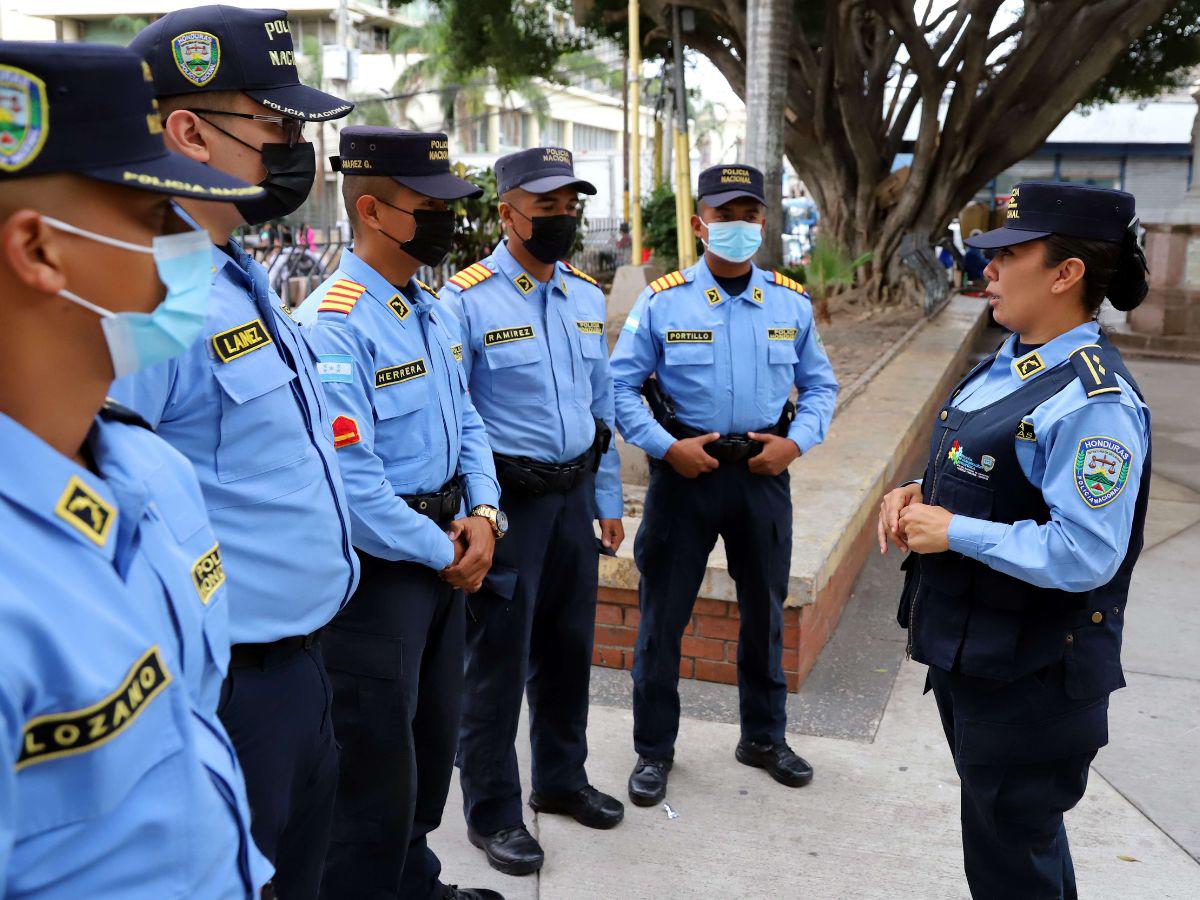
728 363
1082 545
244 404
117 781
402 419
540 392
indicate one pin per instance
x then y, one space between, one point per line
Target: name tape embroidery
507 335
396 374
208 574
782 334
590 327
689 337
240 340
64 734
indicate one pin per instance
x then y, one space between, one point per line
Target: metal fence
295 267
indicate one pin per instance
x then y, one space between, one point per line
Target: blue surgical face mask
137 340
734 241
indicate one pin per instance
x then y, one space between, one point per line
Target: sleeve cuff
974 537
802 437
481 490
659 442
609 507
443 555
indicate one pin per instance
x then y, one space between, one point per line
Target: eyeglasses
293 129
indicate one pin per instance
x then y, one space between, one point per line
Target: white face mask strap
102 238
75 298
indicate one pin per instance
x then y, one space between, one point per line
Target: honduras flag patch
336 367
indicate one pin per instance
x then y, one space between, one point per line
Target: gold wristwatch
497 518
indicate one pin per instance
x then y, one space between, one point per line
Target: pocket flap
781 352
682 354
400 399
998 743
517 353
963 497
253 375
358 653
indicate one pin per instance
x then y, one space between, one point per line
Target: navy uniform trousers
530 629
1022 750
283 700
395 657
682 519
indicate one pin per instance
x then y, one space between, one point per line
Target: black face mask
433 237
552 237
290 174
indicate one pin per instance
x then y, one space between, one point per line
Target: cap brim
303 102
174 174
443 186
1003 237
725 196
554 182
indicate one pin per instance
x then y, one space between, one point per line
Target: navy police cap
719 184
416 159
224 48
1039 209
89 109
539 171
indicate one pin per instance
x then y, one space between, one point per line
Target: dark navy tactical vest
965 616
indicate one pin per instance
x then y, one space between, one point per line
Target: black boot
513 850
780 761
586 806
648 782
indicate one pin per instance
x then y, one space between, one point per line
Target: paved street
881 819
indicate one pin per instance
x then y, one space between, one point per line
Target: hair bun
1128 287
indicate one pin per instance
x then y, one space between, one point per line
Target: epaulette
673 279
112 411
423 286
578 274
1096 372
786 282
471 276
341 296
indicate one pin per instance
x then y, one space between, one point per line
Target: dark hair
1113 269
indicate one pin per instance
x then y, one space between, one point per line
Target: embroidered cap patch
1101 470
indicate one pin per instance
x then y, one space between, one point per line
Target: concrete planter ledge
874 440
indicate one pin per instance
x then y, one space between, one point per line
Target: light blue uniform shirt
403 421
117 781
728 363
540 393
244 404
1082 546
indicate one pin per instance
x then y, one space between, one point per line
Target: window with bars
589 137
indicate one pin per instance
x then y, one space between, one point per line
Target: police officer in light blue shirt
245 406
1025 531
726 343
117 780
536 357
412 449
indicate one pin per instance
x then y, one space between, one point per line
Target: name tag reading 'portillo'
689 337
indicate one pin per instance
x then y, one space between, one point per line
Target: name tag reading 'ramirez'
507 335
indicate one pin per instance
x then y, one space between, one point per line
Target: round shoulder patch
24 118
1101 470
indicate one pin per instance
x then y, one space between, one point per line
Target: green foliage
1162 57
658 226
830 266
796 273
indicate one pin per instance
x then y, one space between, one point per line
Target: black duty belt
245 656
442 506
527 477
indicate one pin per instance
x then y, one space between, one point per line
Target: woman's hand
889 515
926 528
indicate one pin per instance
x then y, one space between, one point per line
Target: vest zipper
912 613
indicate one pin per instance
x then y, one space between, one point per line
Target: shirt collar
754 294
1047 356
380 289
506 265
57 490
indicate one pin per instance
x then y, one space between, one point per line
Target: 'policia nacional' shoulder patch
396 374
1101 470
689 337
590 327
507 335
208 574
64 734
86 511
240 340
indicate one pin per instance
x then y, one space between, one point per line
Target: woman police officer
1024 532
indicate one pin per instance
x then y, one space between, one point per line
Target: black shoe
778 759
648 782
586 806
513 850
454 892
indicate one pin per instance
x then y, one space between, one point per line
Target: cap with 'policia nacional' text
223 48
89 109
416 159
718 185
1039 209
539 171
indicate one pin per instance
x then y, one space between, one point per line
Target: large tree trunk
769 23
973 98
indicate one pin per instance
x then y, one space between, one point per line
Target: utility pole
769 31
635 131
686 241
